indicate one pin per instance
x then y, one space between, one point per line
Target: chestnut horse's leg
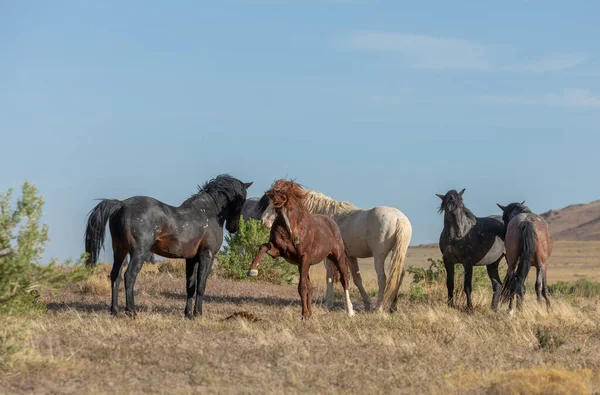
330 283
357 278
190 284
303 286
119 256
545 284
268 248
340 263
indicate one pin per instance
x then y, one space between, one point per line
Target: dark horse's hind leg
119 256
468 285
450 281
135 265
190 284
492 270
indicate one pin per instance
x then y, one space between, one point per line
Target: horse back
543 236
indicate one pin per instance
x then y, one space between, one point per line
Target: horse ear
461 192
501 206
440 196
523 202
248 184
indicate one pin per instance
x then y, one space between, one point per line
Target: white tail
398 256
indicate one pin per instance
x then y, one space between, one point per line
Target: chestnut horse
303 239
528 242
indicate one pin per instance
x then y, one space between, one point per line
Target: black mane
263 203
513 210
453 201
223 188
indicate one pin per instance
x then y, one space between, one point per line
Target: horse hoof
253 273
351 314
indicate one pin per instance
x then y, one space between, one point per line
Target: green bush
22 241
436 274
236 257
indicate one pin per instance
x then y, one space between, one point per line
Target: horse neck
456 227
296 214
318 203
205 203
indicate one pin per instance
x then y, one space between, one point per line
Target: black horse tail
515 281
96 227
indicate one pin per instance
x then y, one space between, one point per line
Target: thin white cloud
425 51
569 98
430 52
554 63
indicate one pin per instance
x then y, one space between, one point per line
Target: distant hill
576 222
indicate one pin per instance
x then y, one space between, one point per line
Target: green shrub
236 257
549 339
22 241
436 274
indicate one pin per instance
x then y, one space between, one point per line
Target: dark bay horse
303 239
472 241
141 226
528 242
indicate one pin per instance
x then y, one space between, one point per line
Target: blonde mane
318 203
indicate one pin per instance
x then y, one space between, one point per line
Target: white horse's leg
381 278
357 278
330 276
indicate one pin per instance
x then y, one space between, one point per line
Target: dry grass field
425 347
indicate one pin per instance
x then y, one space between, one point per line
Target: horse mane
263 203
316 202
223 189
287 193
520 208
451 202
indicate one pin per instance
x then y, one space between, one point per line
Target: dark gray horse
472 241
141 226
254 207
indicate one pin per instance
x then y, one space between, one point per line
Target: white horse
368 233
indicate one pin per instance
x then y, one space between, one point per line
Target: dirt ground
425 347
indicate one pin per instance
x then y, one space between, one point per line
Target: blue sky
373 102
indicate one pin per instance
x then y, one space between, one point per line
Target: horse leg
136 262
545 285
342 267
268 248
204 268
450 281
330 284
357 278
492 270
381 279
468 285
309 294
303 268
191 267
119 256
539 283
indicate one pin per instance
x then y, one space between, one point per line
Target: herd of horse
307 228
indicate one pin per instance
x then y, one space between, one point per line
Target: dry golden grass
423 348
